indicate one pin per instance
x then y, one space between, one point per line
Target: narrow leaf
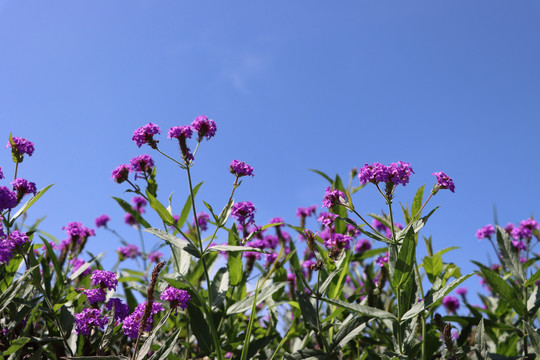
143 352
362 309
130 210
175 241
510 255
29 203
187 207
166 349
162 211
245 304
308 311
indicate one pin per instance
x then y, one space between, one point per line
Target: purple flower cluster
205 127
10 243
332 197
485 232
23 187
381 260
155 256
8 199
306 211
240 168
77 263
395 173
145 135
244 212
339 241
141 164
451 303
105 279
1 173
121 173
444 181
121 310
95 295
130 251
326 219
180 132
22 146
132 322
88 318
101 221
362 245
176 297
139 203
524 231
77 232
202 219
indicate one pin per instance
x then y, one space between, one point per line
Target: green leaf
162 211
67 319
433 266
328 279
504 290
362 309
417 201
175 241
234 260
534 278
407 295
130 210
225 213
28 204
232 248
220 286
510 255
480 339
187 207
308 311
533 303
309 354
245 304
405 260
16 344
54 259
375 236
252 317
199 327
323 175
15 289
534 337
109 357
432 300
348 331
163 352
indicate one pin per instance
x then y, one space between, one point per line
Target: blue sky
447 86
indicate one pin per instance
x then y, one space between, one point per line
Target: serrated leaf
163 352
308 311
29 203
362 309
245 304
510 255
480 339
130 210
175 241
534 337
347 332
504 290
433 299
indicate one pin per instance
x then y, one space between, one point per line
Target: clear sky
449 86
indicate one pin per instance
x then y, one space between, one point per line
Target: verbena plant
350 287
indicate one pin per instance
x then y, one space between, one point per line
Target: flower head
202 219
326 219
205 127
1 173
180 132
141 164
121 173
306 211
132 322
121 310
485 232
240 168
130 251
362 245
77 231
23 187
332 197
145 135
95 295
21 147
339 241
101 221
77 263
18 238
88 318
176 297
444 181
105 279
8 199
381 260
155 256
395 173
244 212
451 303
139 203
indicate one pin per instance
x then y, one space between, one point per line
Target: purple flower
8 199
88 318
95 295
444 181
362 245
176 297
132 322
202 219
332 197
23 187
121 173
306 211
1 173
461 291
139 203
395 173
326 219
130 251
485 232
129 219
155 256
276 220
121 310
204 127
339 241
105 279
520 245
240 168
141 164
102 220
244 212
77 263
270 259
180 132
22 146
18 238
381 260
6 250
77 231
145 134
451 304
